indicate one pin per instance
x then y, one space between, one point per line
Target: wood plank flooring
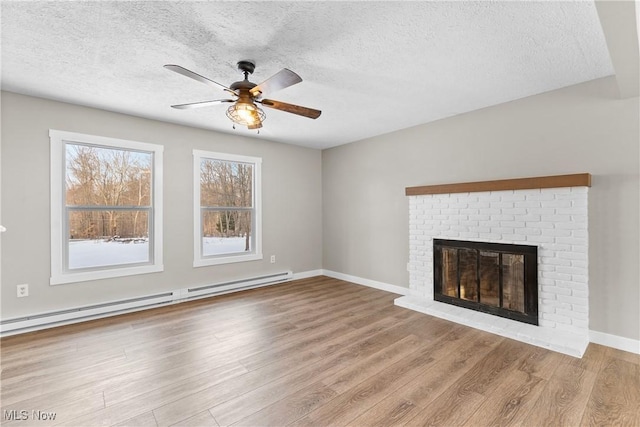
312 352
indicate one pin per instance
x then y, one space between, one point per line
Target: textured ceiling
371 67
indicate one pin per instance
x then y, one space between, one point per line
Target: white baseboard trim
401 290
307 274
614 341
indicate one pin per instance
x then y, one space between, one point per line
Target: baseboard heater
35 322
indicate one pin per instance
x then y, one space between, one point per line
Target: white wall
583 128
292 224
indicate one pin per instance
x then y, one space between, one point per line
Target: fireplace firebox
495 278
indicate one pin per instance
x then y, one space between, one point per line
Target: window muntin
106 207
227 208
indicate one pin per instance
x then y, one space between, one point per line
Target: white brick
514 211
490 211
584 265
573 314
557 290
579 218
570 270
583 234
570 225
502 230
556 318
580 248
559 248
556 261
516 196
490 236
571 285
571 211
572 240
540 239
480 204
547 297
479 229
514 224
541 211
501 205
556 276
554 232
556 203
528 204
479 217
469 235
530 231
540 196
580 294
573 300
469 211
491 223
581 308
501 217
556 218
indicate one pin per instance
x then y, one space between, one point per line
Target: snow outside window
227 215
106 218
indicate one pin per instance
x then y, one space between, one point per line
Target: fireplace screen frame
530 255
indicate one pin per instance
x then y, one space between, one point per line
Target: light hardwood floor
313 352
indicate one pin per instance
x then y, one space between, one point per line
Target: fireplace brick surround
554 219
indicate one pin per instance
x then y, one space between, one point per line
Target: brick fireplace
550 213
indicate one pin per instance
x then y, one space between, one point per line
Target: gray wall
292 223
583 128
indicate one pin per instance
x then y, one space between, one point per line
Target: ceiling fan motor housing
246 66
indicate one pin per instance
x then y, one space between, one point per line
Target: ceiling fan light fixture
246 114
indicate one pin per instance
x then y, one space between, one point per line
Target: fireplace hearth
495 278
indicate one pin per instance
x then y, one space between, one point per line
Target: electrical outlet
23 290
273 259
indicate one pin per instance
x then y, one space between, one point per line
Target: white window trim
198 259
58 172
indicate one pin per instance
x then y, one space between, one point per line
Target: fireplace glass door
499 279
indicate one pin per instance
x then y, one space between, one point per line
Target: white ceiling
371 67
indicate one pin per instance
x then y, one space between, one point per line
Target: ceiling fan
246 94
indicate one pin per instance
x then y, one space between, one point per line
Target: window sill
204 262
104 274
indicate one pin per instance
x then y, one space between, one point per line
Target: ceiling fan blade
201 104
290 108
280 80
195 76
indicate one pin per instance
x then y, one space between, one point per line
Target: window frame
60 274
256 254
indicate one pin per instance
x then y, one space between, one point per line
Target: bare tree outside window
226 203
108 205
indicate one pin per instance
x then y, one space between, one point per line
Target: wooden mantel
574 180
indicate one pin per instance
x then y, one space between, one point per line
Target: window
227 202
106 207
